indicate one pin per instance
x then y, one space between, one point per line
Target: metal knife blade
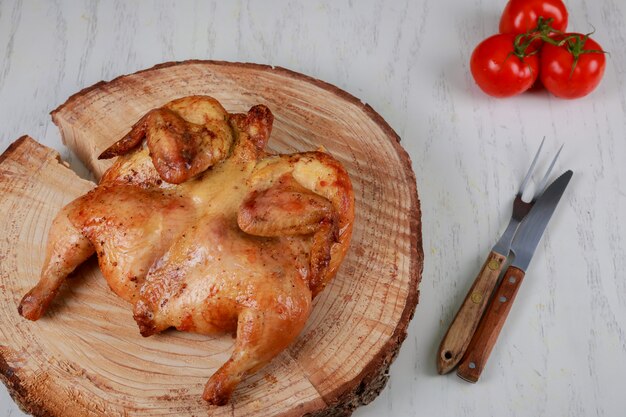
530 231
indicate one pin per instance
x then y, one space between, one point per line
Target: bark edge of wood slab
311 377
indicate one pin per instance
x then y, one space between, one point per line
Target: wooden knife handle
460 332
487 333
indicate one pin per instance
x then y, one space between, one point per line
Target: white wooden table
563 349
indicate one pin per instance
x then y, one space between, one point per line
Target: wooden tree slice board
86 357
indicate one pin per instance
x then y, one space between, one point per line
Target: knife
459 334
523 247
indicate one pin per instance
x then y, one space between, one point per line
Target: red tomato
557 63
499 71
520 16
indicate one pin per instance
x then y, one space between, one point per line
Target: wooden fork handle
462 329
487 333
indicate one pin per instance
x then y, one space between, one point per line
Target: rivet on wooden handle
460 333
487 332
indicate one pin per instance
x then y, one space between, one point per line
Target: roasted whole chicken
202 230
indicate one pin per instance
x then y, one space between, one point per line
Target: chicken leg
261 335
67 248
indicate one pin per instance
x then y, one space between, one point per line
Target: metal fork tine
531 169
544 181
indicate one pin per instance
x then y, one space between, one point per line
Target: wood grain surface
341 358
563 349
486 336
461 330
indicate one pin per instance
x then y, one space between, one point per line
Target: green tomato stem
574 43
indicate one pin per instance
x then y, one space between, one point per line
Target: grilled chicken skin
200 229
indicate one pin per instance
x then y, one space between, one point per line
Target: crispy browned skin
241 247
184 137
